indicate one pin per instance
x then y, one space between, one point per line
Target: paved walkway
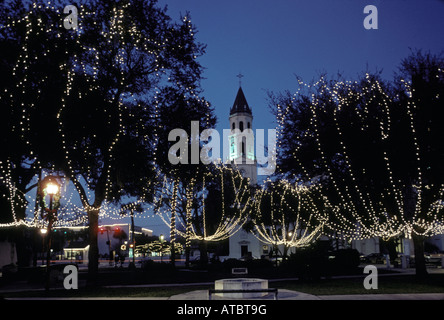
283 294
404 296
294 295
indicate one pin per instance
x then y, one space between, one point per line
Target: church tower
242 156
241 138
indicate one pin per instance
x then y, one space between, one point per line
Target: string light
117 30
277 222
344 218
360 214
227 224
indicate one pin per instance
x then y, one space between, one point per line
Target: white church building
242 154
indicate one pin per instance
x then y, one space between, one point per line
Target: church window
233 126
241 126
232 147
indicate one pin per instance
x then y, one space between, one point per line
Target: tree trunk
187 257
93 255
173 253
203 248
410 198
93 218
173 222
420 266
48 255
173 238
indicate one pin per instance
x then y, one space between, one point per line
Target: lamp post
43 232
49 186
132 265
161 238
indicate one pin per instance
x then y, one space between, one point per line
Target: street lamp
52 188
49 186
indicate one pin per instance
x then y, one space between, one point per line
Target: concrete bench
239 271
270 290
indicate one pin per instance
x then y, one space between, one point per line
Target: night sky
270 42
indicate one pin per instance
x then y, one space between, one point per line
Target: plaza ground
120 283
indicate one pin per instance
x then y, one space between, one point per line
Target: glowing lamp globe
50 185
52 188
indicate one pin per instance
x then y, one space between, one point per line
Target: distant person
122 260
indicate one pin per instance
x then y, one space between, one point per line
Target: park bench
236 271
270 290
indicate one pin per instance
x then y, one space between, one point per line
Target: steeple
241 138
240 104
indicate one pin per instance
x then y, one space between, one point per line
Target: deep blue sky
271 41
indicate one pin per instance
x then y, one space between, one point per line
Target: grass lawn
386 285
130 292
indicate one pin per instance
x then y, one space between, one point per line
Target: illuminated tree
28 66
177 109
286 215
163 247
375 148
211 208
85 102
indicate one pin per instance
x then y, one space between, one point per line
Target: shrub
345 261
151 266
251 265
308 263
259 264
228 264
318 260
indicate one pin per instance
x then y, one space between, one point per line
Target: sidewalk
399 296
283 294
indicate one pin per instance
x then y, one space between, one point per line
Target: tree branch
81 191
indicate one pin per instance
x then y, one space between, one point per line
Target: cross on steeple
240 76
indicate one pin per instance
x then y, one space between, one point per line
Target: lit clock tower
241 138
242 156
